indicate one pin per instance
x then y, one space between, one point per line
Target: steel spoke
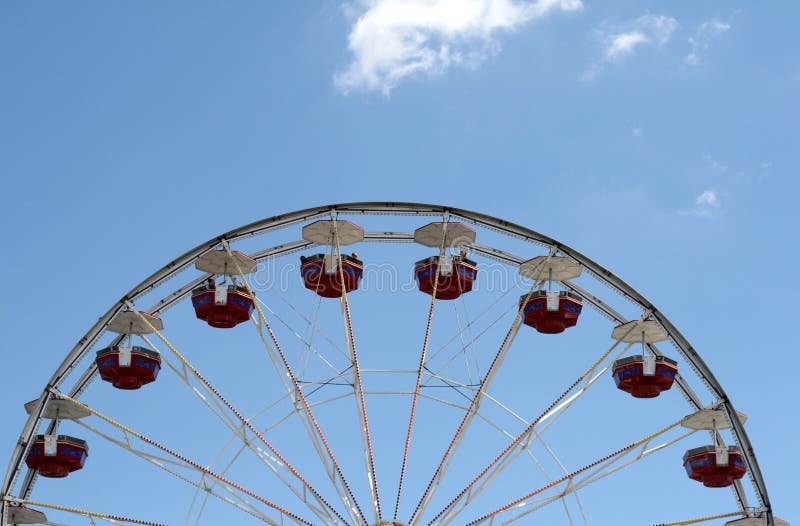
284 370
486 381
182 458
366 437
238 415
420 369
554 407
518 502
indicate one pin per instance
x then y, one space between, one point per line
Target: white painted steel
22 515
128 322
648 331
710 419
554 268
222 263
58 409
116 319
329 232
455 235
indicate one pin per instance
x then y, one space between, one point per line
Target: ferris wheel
383 363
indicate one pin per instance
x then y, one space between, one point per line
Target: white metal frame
83 346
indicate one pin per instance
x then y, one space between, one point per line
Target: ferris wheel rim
380 208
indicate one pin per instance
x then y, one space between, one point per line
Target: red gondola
57 456
455 278
128 367
320 274
222 306
630 375
715 469
551 312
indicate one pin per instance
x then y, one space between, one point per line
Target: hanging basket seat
631 377
128 367
455 278
551 312
705 465
57 456
222 306
320 274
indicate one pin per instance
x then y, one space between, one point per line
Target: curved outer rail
380 208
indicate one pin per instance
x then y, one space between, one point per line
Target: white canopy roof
129 322
23 515
558 268
755 521
635 331
61 409
322 232
707 419
220 262
456 235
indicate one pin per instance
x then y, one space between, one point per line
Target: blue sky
659 139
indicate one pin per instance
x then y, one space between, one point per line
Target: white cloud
621 42
707 204
750 173
708 199
702 38
391 40
624 44
715 164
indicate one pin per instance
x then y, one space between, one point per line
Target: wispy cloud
707 204
624 44
391 40
738 173
621 42
708 199
705 33
715 164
